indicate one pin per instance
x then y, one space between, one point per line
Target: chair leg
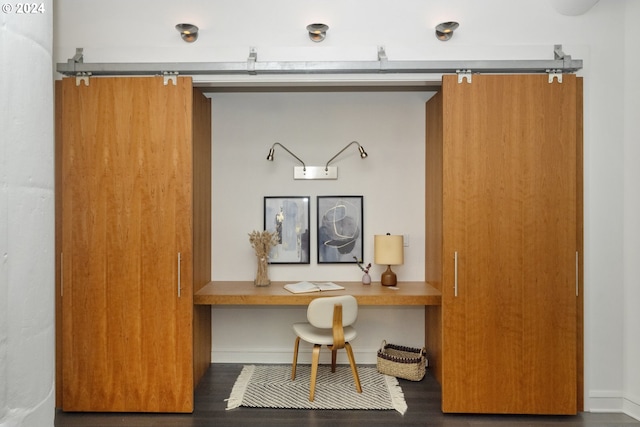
354 369
314 371
295 359
334 356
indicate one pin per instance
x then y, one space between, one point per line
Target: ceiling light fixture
188 32
444 31
317 32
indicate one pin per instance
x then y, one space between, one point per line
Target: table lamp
388 250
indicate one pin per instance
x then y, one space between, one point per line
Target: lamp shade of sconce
317 32
388 250
188 32
444 31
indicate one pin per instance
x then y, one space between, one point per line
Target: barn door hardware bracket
559 54
382 58
464 74
251 61
82 77
78 58
555 74
170 76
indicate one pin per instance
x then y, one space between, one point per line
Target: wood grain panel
201 228
246 293
433 227
549 220
580 241
127 202
482 197
166 201
58 237
509 211
83 237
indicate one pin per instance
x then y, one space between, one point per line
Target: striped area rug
270 386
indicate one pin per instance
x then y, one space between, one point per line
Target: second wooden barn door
126 245
509 225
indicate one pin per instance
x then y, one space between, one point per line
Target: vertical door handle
577 274
179 278
455 274
61 273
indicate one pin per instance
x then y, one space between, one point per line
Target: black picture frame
340 229
289 217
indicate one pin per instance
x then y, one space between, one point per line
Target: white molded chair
330 320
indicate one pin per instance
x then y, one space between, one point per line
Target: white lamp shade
388 249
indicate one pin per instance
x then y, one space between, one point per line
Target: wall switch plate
405 239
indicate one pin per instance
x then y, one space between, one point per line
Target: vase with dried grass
262 242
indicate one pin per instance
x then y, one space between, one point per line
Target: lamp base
389 277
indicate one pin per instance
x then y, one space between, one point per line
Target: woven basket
402 362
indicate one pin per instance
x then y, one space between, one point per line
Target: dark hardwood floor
423 401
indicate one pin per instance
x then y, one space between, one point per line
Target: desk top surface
245 293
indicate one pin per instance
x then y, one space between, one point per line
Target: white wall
492 29
631 350
26 218
315 127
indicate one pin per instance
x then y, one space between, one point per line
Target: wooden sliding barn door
509 244
127 245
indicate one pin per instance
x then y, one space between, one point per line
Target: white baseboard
605 401
631 406
614 401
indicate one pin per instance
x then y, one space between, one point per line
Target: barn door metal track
561 63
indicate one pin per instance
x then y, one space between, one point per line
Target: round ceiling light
317 32
445 30
188 32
